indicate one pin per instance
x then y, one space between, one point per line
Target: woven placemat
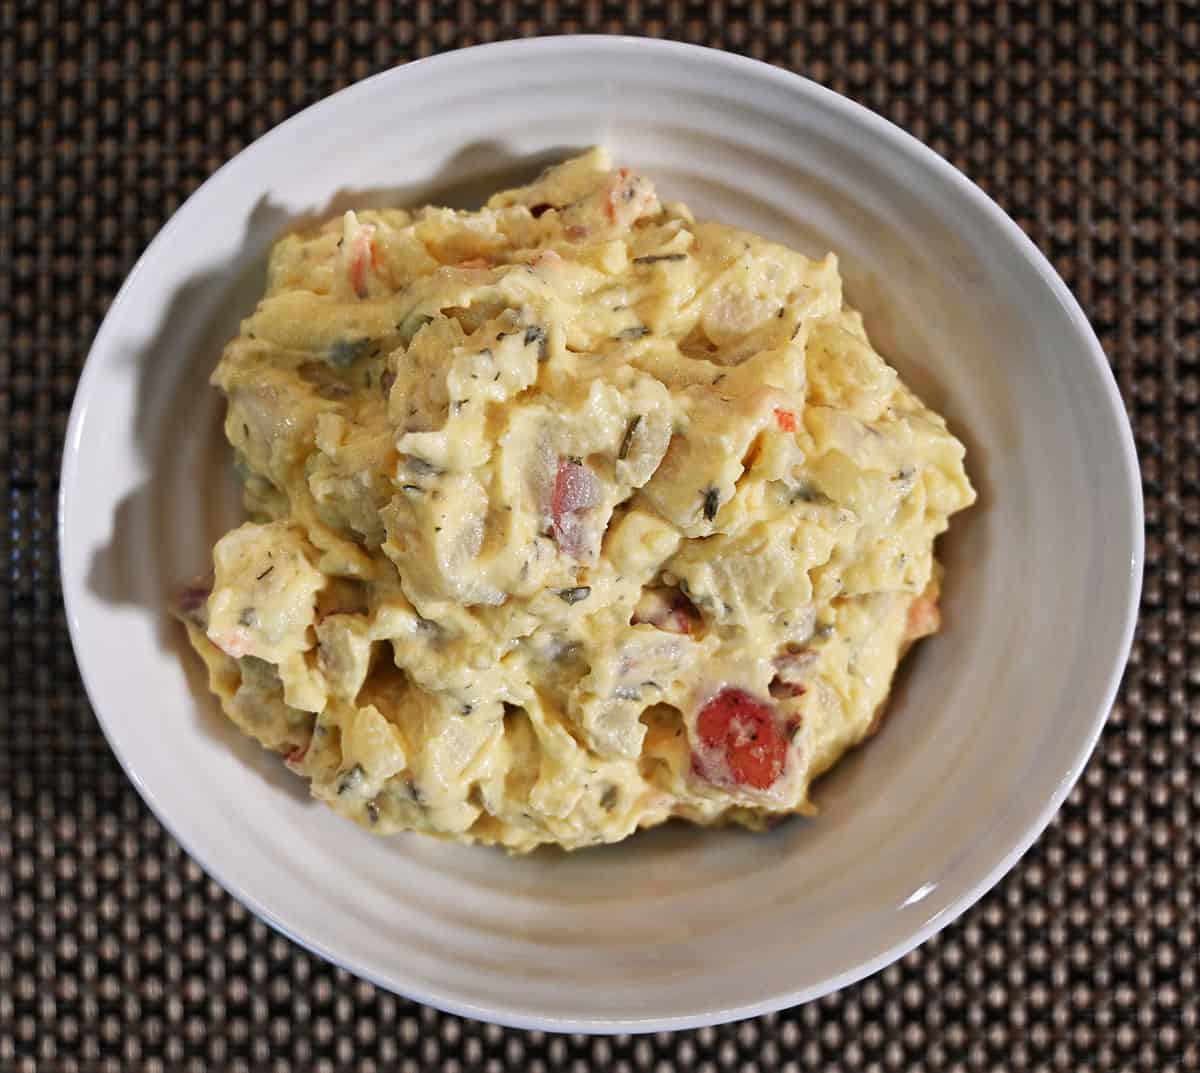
116 952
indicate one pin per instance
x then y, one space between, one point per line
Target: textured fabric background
116 952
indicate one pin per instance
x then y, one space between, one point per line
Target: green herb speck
630 432
807 492
345 352
351 779
410 325
636 332
535 333
420 466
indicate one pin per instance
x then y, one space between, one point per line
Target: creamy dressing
568 516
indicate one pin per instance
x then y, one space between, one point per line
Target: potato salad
568 516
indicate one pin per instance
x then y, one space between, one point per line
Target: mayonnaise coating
568 516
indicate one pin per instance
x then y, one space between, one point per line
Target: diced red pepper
746 733
785 419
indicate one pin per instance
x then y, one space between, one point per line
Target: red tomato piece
785 419
745 731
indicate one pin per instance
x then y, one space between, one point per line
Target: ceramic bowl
991 722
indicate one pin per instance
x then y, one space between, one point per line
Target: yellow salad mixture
569 516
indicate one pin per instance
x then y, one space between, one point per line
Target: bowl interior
989 724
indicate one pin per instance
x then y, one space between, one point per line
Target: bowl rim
514 1014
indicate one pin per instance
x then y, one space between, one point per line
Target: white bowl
989 728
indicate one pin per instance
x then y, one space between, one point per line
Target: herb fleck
535 333
807 492
608 799
351 780
248 617
345 352
630 432
412 489
412 324
636 332
372 812
654 258
712 503
259 577
468 708
573 596
420 466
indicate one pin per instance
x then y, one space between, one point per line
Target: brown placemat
116 952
